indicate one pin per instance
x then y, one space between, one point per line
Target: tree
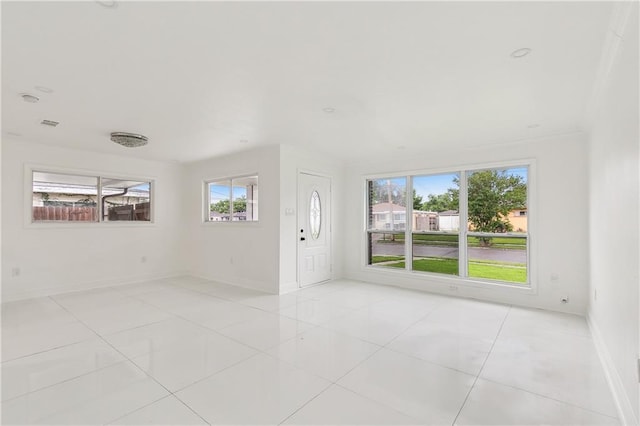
441 202
240 204
492 194
385 191
222 206
417 201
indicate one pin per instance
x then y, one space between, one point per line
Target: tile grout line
482 367
133 363
539 394
550 398
264 351
380 347
308 402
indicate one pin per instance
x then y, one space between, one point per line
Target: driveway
482 253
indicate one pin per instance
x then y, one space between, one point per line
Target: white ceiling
199 77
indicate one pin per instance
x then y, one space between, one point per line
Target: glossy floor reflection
190 351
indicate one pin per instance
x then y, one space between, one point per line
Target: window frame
530 287
206 199
28 221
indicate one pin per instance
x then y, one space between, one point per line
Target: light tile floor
190 351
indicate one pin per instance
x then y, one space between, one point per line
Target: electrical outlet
231 260
555 277
143 259
15 272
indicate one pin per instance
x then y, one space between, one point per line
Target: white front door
314 229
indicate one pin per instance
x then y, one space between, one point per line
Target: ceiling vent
49 123
130 140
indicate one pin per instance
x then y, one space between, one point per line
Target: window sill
223 223
86 225
452 280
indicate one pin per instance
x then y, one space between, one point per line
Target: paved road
483 253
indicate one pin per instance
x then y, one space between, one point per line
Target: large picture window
468 223
60 197
232 199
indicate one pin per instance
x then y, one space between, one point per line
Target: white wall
239 253
558 215
614 221
292 161
57 258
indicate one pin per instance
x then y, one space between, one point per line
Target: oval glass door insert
315 215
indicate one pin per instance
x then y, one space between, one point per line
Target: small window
58 197
125 200
315 215
387 211
497 238
232 199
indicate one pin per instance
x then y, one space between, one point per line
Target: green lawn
378 259
499 271
432 264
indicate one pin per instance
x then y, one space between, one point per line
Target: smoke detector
130 140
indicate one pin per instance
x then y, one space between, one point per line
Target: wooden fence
64 213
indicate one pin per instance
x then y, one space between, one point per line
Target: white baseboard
620 396
288 287
90 285
253 285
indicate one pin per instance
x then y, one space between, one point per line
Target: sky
221 192
438 184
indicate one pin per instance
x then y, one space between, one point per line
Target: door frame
300 171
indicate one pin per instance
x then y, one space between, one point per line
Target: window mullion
231 200
464 220
99 200
408 238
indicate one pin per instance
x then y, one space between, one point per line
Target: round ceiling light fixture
130 140
110 4
533 126
329 110
244 141
29 98
520 53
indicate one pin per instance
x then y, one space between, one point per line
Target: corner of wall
620 397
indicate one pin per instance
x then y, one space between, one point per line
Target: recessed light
14 134
110 4
401 147
329 110
533 126
244 141
29 98
520 53
44 89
